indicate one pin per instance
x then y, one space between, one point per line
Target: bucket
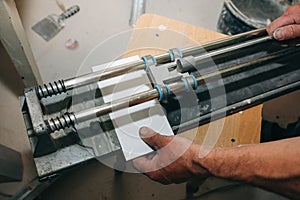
239 16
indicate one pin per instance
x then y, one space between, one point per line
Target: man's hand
287 26
175 160
273 166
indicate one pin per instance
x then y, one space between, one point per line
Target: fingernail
278 34
144 132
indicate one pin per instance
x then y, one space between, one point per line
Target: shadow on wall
8 75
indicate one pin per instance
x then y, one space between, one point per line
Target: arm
287 26
274 166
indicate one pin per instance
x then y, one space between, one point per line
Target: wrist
196 168
228 163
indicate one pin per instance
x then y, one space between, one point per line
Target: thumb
287 32
282 21
153 139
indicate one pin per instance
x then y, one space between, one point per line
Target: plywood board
158 34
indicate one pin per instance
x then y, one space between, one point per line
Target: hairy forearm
274 166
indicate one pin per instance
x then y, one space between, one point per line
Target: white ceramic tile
128 121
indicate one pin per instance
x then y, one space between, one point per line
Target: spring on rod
50 89
66 120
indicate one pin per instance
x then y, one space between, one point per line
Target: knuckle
292 8
269 29
289 9
296 6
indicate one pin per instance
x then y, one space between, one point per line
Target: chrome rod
208 56
252 64
226 41
65 85
116 105
165 58
103 74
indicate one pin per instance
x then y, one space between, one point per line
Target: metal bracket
165 73
42 142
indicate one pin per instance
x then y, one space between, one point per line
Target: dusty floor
95 181
96 21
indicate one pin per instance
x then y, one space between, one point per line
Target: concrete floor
95 181
96 21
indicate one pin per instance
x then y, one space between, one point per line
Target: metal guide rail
195 85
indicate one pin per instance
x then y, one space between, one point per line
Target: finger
151 169
143 164
287 32
159 176
280 22
153 139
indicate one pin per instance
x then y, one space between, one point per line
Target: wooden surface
154 35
